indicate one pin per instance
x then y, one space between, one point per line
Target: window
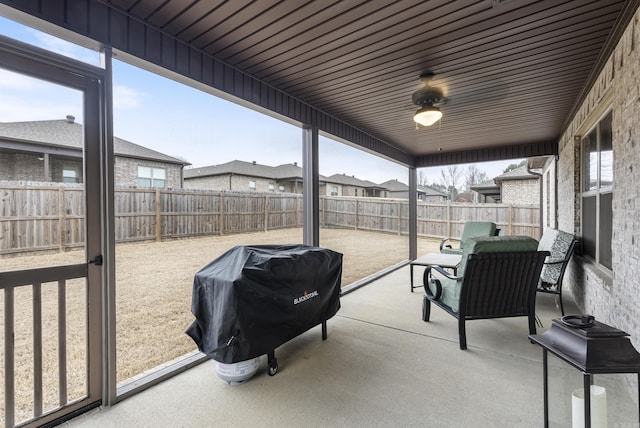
281 188
152 177
272 187
70 175
597 195
334 190
252 185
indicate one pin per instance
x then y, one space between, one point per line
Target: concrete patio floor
381 366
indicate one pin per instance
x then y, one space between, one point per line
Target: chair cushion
557 242
496 244
485 244
472 229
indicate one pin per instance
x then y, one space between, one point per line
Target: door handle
97 260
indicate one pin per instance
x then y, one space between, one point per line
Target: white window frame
157 177
74 170
252 185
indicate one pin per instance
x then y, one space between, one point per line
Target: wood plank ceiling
511 70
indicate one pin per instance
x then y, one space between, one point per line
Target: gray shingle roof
68 134
280 172
395 186
251 169
520 173
486 185
398 186
429 191
349 180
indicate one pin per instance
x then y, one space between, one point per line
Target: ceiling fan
426 98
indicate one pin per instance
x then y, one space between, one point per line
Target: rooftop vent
71 118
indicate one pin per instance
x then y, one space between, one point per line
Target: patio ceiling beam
515 151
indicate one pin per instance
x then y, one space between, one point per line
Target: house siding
126 172
436 199
521 191
27 167
325 189
353 191
231 182
608 296
19 166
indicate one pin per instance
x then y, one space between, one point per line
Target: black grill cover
253 299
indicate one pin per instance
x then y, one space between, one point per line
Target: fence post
510 211
221 215
399 219
356 216
266 213
448 220
62 230
158 217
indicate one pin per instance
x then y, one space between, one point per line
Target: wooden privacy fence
42 216
50 216
435 220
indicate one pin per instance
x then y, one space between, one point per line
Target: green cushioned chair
497 277
472 229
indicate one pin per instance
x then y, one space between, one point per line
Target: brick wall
28 167
208 183
612 297
18 166
236 183
520 191
353 191
126 172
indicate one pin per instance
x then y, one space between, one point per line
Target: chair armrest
438 294
442 243
428 279
445 240
555 262
441 271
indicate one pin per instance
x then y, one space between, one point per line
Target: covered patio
380 366
552 81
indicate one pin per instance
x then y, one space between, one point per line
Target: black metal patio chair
497 278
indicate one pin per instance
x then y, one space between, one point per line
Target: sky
183 122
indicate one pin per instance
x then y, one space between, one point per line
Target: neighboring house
397 189
51 150
429 194
464 197
349 185
241 176
518 186
487 192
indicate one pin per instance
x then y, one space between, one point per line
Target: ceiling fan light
427 116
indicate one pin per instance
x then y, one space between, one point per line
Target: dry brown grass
153 300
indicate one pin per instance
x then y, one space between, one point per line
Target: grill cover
252 299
